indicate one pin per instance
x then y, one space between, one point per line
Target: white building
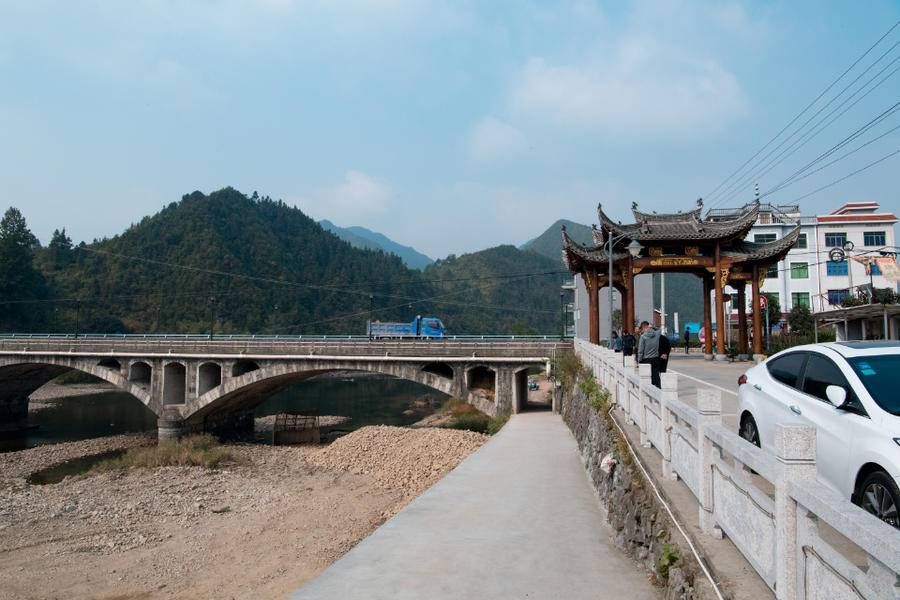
807 275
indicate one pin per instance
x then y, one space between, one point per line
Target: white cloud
494 140
358 196
642 88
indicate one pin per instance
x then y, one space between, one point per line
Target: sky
448 126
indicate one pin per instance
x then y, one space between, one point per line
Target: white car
850 392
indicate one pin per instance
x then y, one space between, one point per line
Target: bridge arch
254 387
174 382
209 376
21 376
441 369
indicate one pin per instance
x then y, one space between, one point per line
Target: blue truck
420 327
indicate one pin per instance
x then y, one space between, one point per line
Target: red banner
889 268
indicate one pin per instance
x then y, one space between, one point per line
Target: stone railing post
709 407
645 383
669 392
795 449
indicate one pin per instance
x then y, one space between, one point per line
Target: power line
809 135
848 176
798 175
290 283
802 112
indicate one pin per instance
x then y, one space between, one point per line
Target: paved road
694 372
517 519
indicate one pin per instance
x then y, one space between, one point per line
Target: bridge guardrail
503 347
771 507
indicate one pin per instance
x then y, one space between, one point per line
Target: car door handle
795 409
757 387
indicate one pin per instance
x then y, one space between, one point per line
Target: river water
365 400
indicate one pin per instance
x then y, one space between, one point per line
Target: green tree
20 281
800 320
60 249
774 308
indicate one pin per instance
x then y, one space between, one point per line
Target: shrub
597 397
477 422
497 423
192 451
668 557
566 368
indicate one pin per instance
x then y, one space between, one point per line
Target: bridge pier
170 426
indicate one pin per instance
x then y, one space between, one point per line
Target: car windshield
881 376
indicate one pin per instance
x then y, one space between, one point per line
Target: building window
800 299
835 240
801 241
772 272
764 238
836 269
837 297
873 238
799 270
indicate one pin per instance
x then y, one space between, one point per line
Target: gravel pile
397 458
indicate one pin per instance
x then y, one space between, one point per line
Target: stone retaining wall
642 528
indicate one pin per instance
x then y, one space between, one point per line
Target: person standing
687 340
648 351
665 348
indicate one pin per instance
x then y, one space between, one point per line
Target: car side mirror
836 395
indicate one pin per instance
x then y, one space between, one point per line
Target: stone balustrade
803 539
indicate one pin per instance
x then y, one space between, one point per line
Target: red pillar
591 284
629 298
707 320
720 306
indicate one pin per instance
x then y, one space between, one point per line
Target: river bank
257 530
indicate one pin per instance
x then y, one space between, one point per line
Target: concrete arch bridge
191 383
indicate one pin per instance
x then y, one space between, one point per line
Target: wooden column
591 283
629 297
742 317
720 306
707 320
756 312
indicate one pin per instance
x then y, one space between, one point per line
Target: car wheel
879 495
749 431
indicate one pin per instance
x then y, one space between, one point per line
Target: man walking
687 340
648 351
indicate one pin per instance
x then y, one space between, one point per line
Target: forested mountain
549 243
360 237
254 265
494 280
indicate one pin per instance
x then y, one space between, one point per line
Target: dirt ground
259 530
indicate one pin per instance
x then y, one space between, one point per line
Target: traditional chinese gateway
712 248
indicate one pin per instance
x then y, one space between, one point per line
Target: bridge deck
517 519
271 346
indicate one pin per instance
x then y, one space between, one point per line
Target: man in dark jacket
665 348
648 351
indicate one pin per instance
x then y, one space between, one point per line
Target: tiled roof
770 251
665 217
681 226
575 254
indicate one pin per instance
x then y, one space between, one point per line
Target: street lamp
562 311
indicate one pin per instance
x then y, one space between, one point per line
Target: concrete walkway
517 519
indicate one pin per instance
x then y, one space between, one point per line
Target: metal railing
470 346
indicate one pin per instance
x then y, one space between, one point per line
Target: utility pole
562 306
77 306
662 302
212 316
